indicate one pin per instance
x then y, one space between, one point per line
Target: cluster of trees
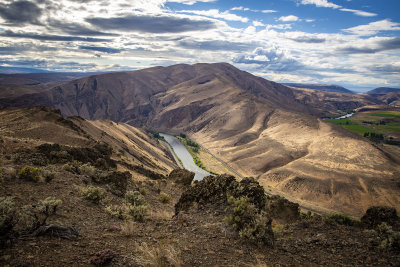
374 136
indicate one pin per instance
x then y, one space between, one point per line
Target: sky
352 43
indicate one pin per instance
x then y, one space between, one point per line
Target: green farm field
378 122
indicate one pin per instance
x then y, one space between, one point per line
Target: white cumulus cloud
374 27
289 18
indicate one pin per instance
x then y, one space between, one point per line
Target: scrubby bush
49 206
136 207
135 198
117 211
93 194
137 212
31 217
29 173
70 167
48 175
252 224
7 218
143 191
39 159
341 219
88 170
390 239
164 198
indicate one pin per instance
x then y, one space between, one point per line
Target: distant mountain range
321 87
383 90
13 70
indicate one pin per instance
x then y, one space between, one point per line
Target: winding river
185 157
345 116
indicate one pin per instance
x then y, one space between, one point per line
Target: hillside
69 200
333 104
389 96
39 125
321 87
383 90
258 127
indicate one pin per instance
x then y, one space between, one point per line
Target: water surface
184 155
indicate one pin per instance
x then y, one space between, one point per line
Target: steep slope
132 147
259 127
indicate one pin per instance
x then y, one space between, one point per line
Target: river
345 116
185 157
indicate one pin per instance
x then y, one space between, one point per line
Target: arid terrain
260 128
136 214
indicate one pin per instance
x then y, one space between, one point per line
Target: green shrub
164 198
143 191
389 239
31 217
251 224
93 194
70 168
48 175
49 205
135 198
117 211
341 219
88 170
29 173
137 212
7 217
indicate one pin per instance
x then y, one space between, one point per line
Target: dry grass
159 256
128 228
162 215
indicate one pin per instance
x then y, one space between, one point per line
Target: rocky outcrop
181 176
377 215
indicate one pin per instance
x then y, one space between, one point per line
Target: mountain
11 70
333 104
321 87
260 128
389 96
40 78
383 90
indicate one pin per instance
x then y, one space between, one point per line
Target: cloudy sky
353 43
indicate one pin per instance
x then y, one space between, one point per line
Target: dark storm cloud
215 45
20 12
77 29
305 39
101 49
384 45
152 24
45 37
